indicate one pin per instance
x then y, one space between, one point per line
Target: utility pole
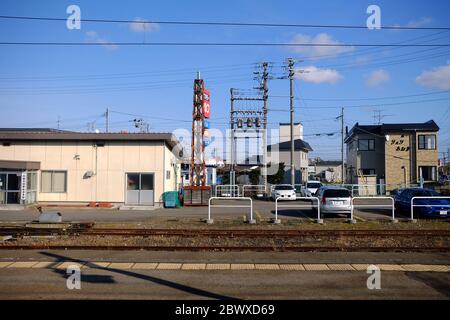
58 122
107 120
265 99
232 175
291 65
342 146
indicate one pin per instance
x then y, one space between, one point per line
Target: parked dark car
434 207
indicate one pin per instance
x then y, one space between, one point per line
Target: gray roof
384 128
39 134
328 163
299 145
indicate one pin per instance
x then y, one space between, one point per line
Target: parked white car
311 188
334 200
284 192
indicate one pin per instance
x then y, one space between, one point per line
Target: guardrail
232 190
258 188
209 221
319 220
426 205
392 206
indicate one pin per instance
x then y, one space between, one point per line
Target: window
428 173
54 181
366 172
167 174
366 144
427 142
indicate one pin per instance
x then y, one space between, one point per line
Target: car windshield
337 193
313 185
284 188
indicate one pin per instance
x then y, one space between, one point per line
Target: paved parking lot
261 210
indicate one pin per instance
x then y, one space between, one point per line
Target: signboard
207 124
23 186
205 104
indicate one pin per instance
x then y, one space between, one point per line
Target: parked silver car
334 200
284 192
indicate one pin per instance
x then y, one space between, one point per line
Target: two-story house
392 154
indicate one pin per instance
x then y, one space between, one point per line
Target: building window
54 181
167 174
428 173
366 144
427 142
367 172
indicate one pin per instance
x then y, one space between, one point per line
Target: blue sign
207 124
207 142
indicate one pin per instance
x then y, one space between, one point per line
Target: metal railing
375 189
426 205
227 190
230 206
392 206
293 206
259 189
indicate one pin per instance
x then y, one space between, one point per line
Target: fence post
209 220
351 220
252 221
276 221
411 219
319 219
393 211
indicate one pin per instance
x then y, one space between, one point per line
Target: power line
225 23
221 44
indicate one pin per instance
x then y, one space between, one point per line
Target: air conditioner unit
89 174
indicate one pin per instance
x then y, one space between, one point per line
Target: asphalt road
115 283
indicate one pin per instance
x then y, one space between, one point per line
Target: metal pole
232 137
265 98
342 146
107 120
291 95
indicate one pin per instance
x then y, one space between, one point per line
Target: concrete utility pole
342 145
291 65
265 99
107 120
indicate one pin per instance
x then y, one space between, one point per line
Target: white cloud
377 77
318 51
316 75
139 26
93 36
419 22
436 78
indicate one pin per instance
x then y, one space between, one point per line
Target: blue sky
38 85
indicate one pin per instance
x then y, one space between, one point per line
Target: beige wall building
57 166
393 153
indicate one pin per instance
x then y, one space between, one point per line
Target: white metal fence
297 206
372 206
257 189
230 206
227 190
427 205
374 189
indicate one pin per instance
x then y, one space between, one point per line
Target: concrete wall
110 162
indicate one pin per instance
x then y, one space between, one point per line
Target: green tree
278 177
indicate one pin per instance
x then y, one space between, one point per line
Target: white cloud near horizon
318 51
436 78
139 26
377 78
316 75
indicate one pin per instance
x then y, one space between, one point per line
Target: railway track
231 248
27 231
